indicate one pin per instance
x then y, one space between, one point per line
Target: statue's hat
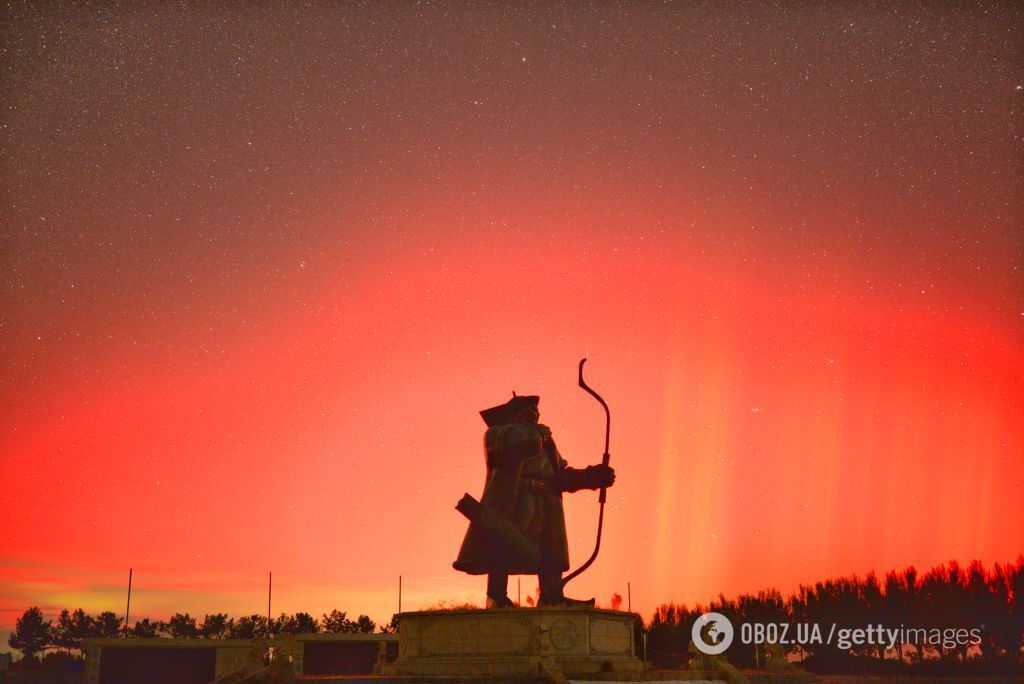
505 413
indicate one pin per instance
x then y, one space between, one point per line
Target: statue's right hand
606 474
600 476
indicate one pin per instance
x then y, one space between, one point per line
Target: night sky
262 265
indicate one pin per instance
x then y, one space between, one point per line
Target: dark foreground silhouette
946 597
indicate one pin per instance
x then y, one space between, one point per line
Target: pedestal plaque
515 642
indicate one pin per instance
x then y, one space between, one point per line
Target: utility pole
270 588
127 608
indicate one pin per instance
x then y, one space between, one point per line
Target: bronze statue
518 526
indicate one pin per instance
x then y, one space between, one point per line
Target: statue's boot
497 590
567 602
551 592
499 602
587 603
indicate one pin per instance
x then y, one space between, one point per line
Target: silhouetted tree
144 629
306 624
391 627
766 607
285 624
913 612
943 595
31 633
108 624
872 598
364 625
895 609
1015 580
249 627
181 626
334 622
216 626
986 601
83 625
60 633
337 623
668 636
946 597
300 623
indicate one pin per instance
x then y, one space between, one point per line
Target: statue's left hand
601 476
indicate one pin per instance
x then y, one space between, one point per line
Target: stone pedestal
506 642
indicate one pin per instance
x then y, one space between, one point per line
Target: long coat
524 483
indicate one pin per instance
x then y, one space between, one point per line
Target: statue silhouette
518 526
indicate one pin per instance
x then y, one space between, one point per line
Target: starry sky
262 263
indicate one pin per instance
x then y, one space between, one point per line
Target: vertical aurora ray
669 492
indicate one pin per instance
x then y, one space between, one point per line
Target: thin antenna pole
270 589
399 593
519 591
127 608
629 597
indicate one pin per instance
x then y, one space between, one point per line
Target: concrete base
554 643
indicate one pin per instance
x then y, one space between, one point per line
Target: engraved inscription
492 636
610 636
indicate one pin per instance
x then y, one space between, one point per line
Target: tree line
33 634
946 597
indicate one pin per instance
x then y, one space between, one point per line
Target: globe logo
712 633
